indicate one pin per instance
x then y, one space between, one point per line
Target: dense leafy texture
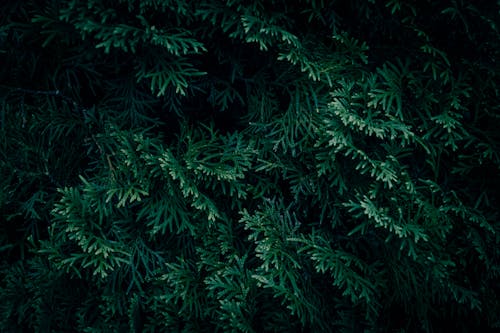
217 166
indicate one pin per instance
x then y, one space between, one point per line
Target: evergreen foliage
249 166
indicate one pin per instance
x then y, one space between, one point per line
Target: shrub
213 166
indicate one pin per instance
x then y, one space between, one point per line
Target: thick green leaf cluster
249 166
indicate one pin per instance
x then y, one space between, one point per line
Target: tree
252 166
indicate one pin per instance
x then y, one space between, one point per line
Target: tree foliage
216 166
